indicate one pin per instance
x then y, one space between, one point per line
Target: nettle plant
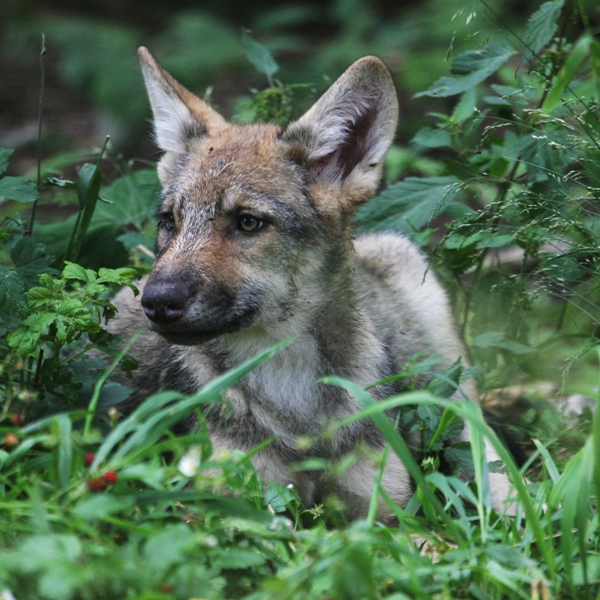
510 209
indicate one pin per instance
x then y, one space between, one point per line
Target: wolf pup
255 245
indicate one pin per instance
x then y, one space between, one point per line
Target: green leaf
121 276
19 189
75 271
5 155
432 138
233 558
353 577
278 497
447 382
133 199
88 188
13 302
477 65
496 339
259 55
459 455
31 260
408 205
88 185
466 105
179 540
566 75
542 26
25 339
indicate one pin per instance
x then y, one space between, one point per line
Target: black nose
164 301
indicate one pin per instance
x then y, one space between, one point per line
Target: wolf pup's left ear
179 116
343 138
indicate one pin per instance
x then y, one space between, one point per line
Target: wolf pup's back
255 245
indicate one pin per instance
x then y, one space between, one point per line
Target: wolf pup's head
254 219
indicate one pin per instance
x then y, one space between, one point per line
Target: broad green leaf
432 138
542 25
133 239
259 55
488 60
408 205
19 189
5 155
461 458
133 198
477 65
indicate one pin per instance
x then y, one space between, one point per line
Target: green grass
68 533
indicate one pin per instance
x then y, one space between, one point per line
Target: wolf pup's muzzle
188 314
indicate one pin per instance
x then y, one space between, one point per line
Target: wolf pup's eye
167 220
249 223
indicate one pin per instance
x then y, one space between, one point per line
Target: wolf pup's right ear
343 138
179 116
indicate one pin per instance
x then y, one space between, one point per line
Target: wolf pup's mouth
186 333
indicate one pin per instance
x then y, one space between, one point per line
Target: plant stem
39 137
38 369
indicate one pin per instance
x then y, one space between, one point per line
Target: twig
39 137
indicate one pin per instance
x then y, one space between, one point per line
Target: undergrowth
504 193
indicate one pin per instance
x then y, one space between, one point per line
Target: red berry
95 485
110 477
89 458
16 418
11 440
166 588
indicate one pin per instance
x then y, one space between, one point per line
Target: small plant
50 323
